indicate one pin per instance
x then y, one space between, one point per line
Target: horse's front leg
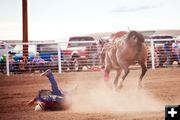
126 72
106 78
118 73
106 75
107 68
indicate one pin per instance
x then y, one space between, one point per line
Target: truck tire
75 64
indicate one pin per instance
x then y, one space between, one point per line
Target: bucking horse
121 53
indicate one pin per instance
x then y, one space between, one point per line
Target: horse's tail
136 34
140 38
140 41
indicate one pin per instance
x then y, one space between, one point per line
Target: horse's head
102 45
102 55
101 42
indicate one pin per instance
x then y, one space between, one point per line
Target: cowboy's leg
178 55
168 57
54 85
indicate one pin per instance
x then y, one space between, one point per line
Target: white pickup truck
3 49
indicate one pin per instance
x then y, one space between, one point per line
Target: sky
56 19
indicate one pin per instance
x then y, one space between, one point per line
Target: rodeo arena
125 75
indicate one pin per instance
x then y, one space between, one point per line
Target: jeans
168 55
54 86
51 96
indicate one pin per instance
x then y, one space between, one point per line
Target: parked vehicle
161 39
47 51
3 49
79 51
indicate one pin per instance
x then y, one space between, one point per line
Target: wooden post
25 27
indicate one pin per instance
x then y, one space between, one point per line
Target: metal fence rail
162 53
62 57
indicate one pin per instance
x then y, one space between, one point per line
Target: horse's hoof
120 87
139 86
109 85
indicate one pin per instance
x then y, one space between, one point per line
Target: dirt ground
93 100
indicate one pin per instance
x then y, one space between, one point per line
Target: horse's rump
129 49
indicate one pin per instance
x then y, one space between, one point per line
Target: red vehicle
78 52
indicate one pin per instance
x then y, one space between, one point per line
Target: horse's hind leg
118 73
144 69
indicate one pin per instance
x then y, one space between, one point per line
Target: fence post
152 54
59 58
7 59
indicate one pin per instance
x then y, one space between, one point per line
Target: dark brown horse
122 53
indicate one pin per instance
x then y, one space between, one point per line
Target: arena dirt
129 99
93 100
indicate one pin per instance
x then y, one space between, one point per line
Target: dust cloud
99 98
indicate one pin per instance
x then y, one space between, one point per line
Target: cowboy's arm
31 102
